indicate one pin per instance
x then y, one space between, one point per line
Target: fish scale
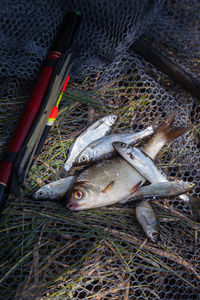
125 176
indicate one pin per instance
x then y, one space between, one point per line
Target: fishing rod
40 111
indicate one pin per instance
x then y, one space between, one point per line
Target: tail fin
167 131
162 135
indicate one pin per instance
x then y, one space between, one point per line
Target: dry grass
51 253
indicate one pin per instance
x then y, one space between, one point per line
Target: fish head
84 157
188 185
86 195
120 147
43 193
111 119
184 186
83 196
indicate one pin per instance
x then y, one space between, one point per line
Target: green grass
52 253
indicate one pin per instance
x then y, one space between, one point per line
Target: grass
51 253
99 251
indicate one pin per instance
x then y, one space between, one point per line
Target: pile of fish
118 179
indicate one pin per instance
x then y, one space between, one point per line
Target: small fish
148 219
146 167
114 180
103 148
141 162
55 190
92 133
160 190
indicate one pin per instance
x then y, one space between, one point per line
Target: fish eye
83 158
40 193
78 194
122 145
114 118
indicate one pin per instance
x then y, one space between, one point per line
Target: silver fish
55 190
160 190
148 219
103 148
141 162
145 166
103 184
114 180
92 133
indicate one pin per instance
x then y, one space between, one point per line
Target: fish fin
108 188
168 131
135 187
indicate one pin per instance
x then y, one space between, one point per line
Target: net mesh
48 252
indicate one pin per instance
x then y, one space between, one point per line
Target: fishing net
48 252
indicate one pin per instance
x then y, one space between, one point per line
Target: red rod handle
32 108
29 115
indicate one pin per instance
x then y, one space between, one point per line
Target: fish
102 184
55 190
146 166
92 133
148 219
160 190
141 162
102 148
114 180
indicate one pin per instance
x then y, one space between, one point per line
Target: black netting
48 252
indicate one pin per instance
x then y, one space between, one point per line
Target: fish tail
168 131
163 135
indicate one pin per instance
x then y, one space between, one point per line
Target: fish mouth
154 236
74 206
